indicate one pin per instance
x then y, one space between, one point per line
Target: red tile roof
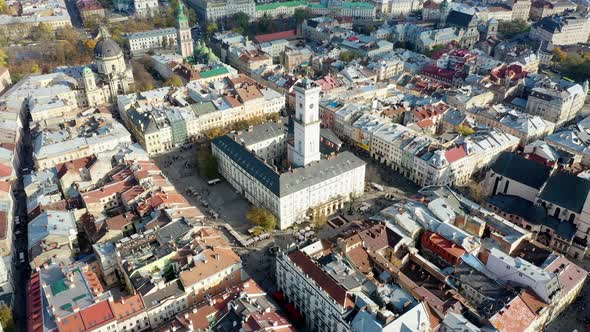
378 237
265 321
127 306
97 315
328 82
108 190
513 71
168 199
94 283
248 93
71 323
74 165
360 259
122 174
5 170
448 250
8 146
455 154
132 193
118 222
325 281
569 274
5 186
425 123
3 224
532 301
289 34
94 229
439 73
34 305
516 316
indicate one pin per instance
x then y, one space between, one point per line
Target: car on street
214 181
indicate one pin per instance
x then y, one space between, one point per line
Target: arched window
556 212
496 185
572 217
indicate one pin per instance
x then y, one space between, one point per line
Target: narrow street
74 14
21 271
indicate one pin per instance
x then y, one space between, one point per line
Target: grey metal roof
173 231
169 290
458 18
532 213
520 169
249 162
566 190
152 33
330 136
107 48
262 132
317 172
290 182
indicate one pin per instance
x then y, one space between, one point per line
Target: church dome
107 48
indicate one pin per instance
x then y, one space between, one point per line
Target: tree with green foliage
175 81
436 48
67 33
143 79
6 319
262 217
574 65
207 163
35 68
301 15
273 117
266 24
320 220
192 16
465 131
242 20
214 133
509 29
212 28
211 167
559 55
348 56
367 29
3 58
43 32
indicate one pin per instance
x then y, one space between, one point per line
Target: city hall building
313 182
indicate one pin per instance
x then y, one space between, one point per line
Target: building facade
568 28
152 39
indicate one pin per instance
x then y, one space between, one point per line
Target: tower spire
183 33
103 33
181 18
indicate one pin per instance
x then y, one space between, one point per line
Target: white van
214 181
